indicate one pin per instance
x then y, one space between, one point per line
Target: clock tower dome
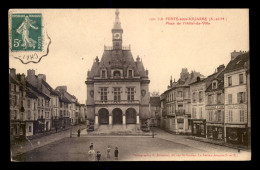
117 32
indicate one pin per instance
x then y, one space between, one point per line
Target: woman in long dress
91 154
24 30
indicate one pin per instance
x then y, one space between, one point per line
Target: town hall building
117 86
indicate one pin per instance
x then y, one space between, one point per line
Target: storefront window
180 125
210 134
220 133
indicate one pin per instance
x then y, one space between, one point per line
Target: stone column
96 122
137 119
110 121
124 121
184 127
176 126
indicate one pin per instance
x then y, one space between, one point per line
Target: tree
155 94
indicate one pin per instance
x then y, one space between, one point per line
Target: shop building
236 100
198 102
215 98
178 103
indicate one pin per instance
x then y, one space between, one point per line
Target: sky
79 35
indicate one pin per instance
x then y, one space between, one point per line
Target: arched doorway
131 116
117 116
103 116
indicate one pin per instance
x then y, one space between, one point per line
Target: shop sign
215 107
240 106
237 126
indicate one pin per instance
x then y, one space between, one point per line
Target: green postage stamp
28 39
26 32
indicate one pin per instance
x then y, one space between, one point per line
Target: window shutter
244 97
238 97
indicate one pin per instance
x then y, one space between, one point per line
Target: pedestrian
91 154
98 156
108 151
79 133
116 153
56 128
91 146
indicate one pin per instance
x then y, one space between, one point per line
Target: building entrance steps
129 129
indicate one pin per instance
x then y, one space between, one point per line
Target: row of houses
36 107
215 107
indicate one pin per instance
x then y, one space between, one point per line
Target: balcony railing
118 102
123 48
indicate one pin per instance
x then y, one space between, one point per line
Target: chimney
13 72
171 82
198 78
42 76
235 54
220 68
31 77
21 78
61 88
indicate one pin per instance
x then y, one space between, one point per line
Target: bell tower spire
117 32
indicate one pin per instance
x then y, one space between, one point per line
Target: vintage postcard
129 85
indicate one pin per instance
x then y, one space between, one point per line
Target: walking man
116 153
79 133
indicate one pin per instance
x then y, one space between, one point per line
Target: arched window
117 74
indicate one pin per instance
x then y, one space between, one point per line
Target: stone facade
176 113
117 86
236 100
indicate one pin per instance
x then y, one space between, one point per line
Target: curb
225 145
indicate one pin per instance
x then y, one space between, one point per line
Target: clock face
116 35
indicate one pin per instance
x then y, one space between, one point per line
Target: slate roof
62 98
30 94
155 101
13 81
204 79
121 59
37 91
53 92
237 63
220 86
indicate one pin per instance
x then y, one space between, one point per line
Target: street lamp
70 130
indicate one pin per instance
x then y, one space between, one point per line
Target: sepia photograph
124 84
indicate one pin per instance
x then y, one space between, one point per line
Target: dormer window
103 73
130 73
214 85
117 74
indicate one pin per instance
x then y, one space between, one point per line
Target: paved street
164 146
28 145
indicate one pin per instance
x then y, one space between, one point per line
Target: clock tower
117 32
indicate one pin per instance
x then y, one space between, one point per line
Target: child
116 153
98 156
